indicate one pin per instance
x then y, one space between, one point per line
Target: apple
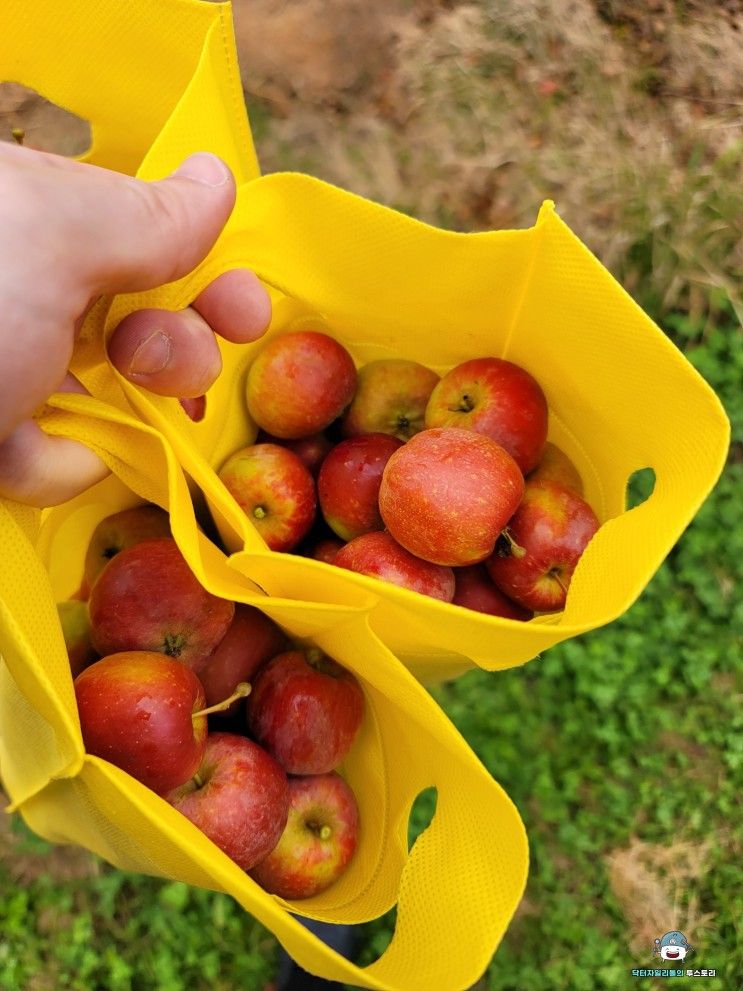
447 494
251 639
194 407
299 383
534 561
75 622
348 484
318 842
496 398
140 711
475 590
238 797
117 532
306 710
379 555
275 491
556 466
147 598
324 550
310 450
391 398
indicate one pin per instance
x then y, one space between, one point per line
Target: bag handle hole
640 486
43 124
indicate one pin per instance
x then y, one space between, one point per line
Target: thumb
131 235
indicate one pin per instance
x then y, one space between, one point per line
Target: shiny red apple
306 710
380 556
251 639
238 797
299 383
147 598
348 484
448 493
139 710
391 398
318 842
534 563
496 398
275 491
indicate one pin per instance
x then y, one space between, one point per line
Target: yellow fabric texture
173 62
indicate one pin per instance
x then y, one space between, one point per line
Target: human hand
70 233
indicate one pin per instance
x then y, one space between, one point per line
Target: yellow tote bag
621 396
455 891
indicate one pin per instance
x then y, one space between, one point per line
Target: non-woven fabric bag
455 890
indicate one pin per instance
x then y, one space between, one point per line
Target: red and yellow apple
379 555
391 398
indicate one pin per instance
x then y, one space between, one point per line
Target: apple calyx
506 545
242 690
174 644
466 405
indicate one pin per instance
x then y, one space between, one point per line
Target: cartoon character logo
672 946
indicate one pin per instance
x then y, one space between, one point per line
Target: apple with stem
391 398
496 398
447 494
238 797
306 710
252 639
379 555
144 712
534 563
319 840
299 383
147 598
275 491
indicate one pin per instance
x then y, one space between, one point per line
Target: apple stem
18 135
198 780
325 833
555 574
516 550
241 691
259 512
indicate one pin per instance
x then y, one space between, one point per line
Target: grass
623 749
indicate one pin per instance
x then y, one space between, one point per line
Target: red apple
147 598
318 842
238 797
275 491
194 407
310 450
299 383
305 709
391 398
251 639
379 555
348 484
448 493
75 622
497 398
475 590
556 466
534 562
117 532
139 710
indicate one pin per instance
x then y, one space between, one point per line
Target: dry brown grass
656 887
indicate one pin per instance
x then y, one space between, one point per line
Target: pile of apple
445 486
160 669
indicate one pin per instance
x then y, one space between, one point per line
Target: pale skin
70 233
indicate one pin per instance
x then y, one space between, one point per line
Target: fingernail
152 355
204 168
